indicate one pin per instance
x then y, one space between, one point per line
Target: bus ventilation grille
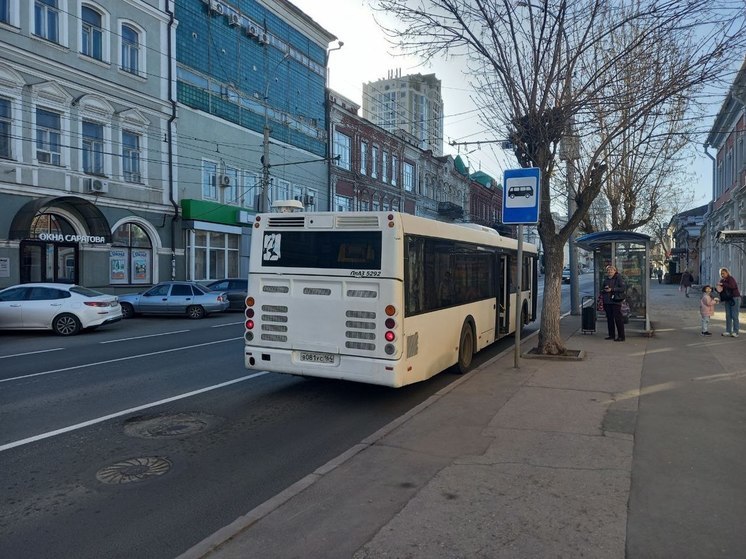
413 343
361 334
273 325
316 291
293 221
364 293
358 345
275 288
354 222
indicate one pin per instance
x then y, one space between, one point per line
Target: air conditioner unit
234 20
252 31
215 6
224 180
263 40
308 200
97 186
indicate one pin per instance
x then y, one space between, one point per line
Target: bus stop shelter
629 253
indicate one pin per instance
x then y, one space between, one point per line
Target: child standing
707 309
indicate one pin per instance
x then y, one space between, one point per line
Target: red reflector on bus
390 336
249 324
390 323
249 313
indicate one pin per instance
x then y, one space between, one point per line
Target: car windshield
85 292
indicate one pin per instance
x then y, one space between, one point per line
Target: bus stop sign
521 190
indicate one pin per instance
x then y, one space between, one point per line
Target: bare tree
548 70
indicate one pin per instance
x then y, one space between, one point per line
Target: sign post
521 195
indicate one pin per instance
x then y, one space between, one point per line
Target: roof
594 240
482 178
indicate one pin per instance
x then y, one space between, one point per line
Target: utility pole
264 199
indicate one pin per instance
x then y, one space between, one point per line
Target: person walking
659 273
707 309
728 293
614 290
686 281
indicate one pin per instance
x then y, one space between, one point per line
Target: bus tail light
249 324
249 312
250 301
390 310
390 323
390 336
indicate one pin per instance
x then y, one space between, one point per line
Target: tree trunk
550 339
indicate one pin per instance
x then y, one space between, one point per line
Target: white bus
379 297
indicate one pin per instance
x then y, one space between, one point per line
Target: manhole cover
134 469
168 426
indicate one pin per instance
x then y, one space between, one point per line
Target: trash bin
588 315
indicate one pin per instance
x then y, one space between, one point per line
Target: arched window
131 256
92 33
130 49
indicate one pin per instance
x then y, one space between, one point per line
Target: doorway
43 261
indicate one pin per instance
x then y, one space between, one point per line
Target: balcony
450 210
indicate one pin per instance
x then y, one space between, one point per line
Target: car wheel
66 325
195 311
128 311
465 349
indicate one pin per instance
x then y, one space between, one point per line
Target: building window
5 11
93 148
47 20
342 204
280 190
214 255
408 176
130 50
92 34
385 167
48 136
342 145
131 156
209 180
374 163
363 158
252 188
5 127
131 255
394 169
231 192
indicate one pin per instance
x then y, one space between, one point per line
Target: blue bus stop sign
521 192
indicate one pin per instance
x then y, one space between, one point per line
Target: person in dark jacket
613 290
729 294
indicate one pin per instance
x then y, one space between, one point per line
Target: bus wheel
465 349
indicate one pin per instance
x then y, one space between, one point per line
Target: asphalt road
145 436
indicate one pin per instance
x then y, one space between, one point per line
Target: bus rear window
353 250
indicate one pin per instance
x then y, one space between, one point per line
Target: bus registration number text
312 357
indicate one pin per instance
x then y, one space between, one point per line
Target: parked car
566 275
235 288
63 308
174 297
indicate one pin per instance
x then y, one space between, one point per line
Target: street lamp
264 199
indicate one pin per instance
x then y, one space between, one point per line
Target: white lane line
228 324
141 337
119 359
101 419
31 352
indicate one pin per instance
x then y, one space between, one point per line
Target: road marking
32 352
227 324
141 337
101 419
118 359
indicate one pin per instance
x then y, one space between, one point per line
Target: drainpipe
171 186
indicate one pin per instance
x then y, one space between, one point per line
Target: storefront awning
98 225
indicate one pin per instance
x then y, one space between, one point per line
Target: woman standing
613 290
686 281
731 299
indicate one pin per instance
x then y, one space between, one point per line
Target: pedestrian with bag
686 282
614 291
728 293
707 309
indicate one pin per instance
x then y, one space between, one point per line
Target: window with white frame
252 187
131 255
5 11
363 158
92 33
231 190
130 51
374 162
343 203
408 176
209 180
280 190
131 149
48 137
394 169
47 20
342 144
93 148
385 167
214 255
5 128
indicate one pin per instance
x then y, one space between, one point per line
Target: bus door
503 296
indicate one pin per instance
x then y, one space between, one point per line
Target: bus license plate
312 357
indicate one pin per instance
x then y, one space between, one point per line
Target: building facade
85 187
411 103
728 207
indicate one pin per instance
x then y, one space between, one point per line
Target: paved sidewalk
635 451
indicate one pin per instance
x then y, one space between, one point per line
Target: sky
366 56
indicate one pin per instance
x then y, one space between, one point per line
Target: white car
62 307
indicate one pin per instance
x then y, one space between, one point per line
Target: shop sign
59 237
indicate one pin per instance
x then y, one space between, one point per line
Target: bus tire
465 349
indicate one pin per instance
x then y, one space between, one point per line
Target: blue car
174 297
